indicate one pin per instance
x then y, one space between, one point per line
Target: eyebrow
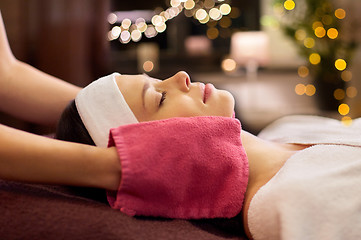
145 87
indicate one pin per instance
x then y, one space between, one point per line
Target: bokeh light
289 5
320 32
215 14
303 71
116 30
189 4
309 42
340 64
150 32
225 9
126 23
346 75
229 65
235 12
347 121
316 24
351 92
205 20
125 37
175 3
212 33
332 33
148 66
300 89
315 58
136 35
161 28
327 19
310 90
208 4
340 13
300 34
112 18
201 14
225 22
343 109
339 94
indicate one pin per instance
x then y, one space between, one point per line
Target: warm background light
340 64
339 94
340 13
351 92
212 33
332 33
327 19
343 109
320 32
346 75
347 121
300 34
315 58
310 90
309 42
317 24
225 9
229 65
247 47
300 89
289 5
303 71
148 66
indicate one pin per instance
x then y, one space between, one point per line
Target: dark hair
71 128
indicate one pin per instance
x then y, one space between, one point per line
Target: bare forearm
35 159
30 94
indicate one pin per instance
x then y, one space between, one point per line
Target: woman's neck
265 157
265 160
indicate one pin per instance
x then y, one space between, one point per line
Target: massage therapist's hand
32 95
35 159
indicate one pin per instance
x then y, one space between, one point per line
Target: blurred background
278 57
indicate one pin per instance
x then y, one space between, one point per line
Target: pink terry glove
187 168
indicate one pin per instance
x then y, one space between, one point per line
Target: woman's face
153 99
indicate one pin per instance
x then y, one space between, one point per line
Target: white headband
101 106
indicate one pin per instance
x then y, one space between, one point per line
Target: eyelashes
164 94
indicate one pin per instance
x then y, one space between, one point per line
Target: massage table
31 211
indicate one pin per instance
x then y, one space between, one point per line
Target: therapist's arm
31 158
28 93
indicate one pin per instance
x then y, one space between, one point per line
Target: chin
227 106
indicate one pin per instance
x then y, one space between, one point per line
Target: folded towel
187 168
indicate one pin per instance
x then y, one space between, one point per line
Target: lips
207 92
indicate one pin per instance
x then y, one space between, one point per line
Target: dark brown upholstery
31 211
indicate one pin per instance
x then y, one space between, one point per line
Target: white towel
317 193
101 106
313 130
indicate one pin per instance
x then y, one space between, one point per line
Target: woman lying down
183 155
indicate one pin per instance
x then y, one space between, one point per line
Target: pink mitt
186 168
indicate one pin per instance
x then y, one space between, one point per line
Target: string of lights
204 11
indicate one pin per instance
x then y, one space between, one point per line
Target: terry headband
101 106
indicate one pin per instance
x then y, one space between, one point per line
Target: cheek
181 107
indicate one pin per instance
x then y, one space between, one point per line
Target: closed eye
164 93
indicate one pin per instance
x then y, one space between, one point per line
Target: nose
180 80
